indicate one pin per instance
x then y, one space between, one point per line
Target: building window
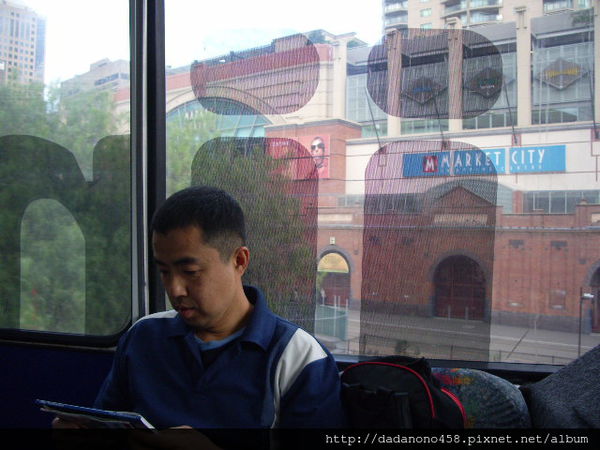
558 202
418 126
373 130
425 12
562 99
496 119
392 203
360 108
481 17
555 5
400 18
574 113
351 200
426 26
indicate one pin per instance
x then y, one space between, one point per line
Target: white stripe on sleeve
301 350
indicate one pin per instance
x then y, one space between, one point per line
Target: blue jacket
274 375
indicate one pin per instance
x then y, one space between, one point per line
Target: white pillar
455 91
340 61
455 79
597 61
524 68
394 68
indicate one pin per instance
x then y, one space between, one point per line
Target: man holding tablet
220 358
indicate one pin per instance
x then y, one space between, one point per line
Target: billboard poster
544 158
303 155
318 146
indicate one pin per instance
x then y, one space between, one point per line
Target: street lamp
583 297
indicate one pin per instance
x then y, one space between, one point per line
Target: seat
489 401
567 398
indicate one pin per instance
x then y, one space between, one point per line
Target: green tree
83 120
54 290
52 295
23 110
184 138
280 218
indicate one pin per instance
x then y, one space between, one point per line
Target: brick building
464 185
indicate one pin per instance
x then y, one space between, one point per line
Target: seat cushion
567 398
489 401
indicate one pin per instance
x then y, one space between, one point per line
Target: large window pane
65 162
457 246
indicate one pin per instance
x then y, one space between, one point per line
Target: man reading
220 358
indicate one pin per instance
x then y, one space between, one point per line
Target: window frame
148 173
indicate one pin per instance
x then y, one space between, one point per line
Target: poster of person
298 151
319 148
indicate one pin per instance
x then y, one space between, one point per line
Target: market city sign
547 158
540 159
457 162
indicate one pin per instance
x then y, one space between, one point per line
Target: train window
476 232
431 191
65 167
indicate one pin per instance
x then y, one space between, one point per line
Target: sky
80 32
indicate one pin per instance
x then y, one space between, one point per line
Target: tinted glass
415 191
65 163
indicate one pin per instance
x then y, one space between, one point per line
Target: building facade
462 169
22 43
103 75
398 14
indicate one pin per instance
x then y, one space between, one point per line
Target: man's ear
241 259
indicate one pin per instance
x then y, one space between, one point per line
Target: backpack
398 392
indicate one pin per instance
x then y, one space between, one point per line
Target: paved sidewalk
459 339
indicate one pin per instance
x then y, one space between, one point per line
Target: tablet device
94 417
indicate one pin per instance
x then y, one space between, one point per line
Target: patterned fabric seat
567 398
489 401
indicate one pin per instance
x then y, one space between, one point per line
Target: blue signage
459 162
545 158
432 164
479 162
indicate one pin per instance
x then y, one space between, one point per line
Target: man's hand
177 438
62 424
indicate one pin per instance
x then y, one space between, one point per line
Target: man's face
317 149
203 288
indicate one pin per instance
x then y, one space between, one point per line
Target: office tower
22 43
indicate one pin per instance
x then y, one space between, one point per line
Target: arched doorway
459 289
595 285
333 280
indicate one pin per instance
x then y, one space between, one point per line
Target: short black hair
214 211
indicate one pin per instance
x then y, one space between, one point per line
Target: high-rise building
22 43
469 13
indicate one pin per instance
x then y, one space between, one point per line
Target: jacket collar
259 329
